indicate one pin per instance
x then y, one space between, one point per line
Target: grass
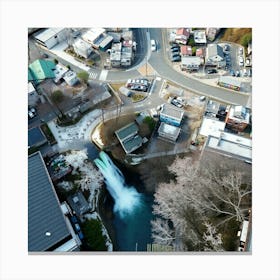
117 86
138 97
46 130
237 35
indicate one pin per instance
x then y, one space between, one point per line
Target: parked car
139 87
176 58
212 71
153 45
175 45
237 73
175 49
226 48
232 73
202 98
176 103
241 51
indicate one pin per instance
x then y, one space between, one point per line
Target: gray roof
172 112
78 203
44 212
126 131
132 144
214 49
229 81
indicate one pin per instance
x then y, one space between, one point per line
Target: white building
94 36
33 97
59 72
169 132
190 63
51 37
211 127
199 37
70 78
215 54
82 48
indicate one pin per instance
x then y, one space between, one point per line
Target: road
160 63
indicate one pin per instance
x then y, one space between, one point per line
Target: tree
246 39
57 97
83 76
199 193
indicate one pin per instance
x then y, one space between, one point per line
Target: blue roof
36 137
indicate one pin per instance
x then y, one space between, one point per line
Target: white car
153 45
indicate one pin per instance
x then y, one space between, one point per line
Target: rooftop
211 127
200 37
172 111
215 49
132 144
229 81
36 137
232 144
126 131
81 44
168 129
47 34
46 223
191 60
40 70
92 34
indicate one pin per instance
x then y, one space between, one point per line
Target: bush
191 42
55 61
92 230
150 122
83 76
246 39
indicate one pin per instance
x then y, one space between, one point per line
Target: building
212 33
129 138
200 52
94 36
199 37
59 72
171 115
48 228
238 118
182 36
211 127
71 78
186 50
127 35
115 55
232 145
106 43
168 132
36 137
229 83
82 48
190 63
215 55
33 97
125 91
51 37
126 56
40 70
78 203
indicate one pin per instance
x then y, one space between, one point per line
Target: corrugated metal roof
40 70
36 137
44 212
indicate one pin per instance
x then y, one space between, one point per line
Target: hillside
238 35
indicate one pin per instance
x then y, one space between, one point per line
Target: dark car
211 71
175 45
232 73
175 48
175 54
176 58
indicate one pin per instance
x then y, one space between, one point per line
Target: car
139 87
77 227
175 49
175 45
227 59
241 50
153 45
232 73
202 98
45 55
176 103
237 74
176 58
175 54
211 71
30 115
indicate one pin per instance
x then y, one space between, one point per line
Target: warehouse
230 83
51 37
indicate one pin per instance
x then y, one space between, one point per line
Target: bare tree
198 193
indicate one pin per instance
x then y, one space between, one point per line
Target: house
94 36
33 97
115 55
59 72
78 203
40 70
127 35
126 56
215 55
229 83
82 48
171 115
186 50
182 36
190 63
168 132
48 228
106 43
129 138
51 37
200 52
211 33
199 37
238 118
36 137
70 78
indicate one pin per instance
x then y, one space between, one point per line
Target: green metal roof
40 70
127 131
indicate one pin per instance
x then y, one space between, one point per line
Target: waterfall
126 198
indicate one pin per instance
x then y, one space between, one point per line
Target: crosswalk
92 74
